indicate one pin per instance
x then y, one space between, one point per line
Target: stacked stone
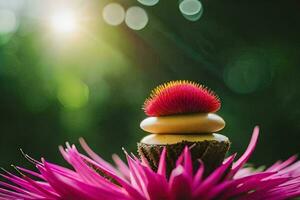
198 131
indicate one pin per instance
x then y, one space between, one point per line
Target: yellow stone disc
184 124
157 139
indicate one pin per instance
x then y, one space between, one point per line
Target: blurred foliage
91 83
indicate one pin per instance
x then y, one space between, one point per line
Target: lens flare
64 22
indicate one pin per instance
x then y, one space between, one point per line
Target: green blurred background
92 82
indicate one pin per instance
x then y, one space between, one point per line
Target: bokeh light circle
193 18
190 7
247 74
8 22
73 93
113 14
148 2
136 18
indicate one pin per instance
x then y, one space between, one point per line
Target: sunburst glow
64 22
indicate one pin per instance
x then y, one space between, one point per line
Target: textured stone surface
211 152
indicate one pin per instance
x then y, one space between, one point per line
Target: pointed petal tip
254 138
162 162
124 150
256 130
82 142
115 156
3 169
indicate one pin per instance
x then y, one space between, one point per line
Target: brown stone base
211 152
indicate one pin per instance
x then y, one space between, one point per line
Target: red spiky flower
180 97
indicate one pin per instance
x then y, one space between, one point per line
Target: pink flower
92 178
